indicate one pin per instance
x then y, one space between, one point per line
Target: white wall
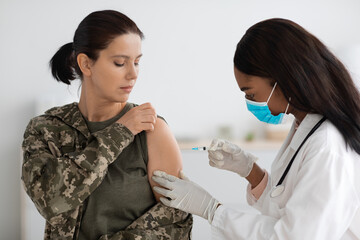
186 71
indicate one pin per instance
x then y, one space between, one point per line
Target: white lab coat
321 199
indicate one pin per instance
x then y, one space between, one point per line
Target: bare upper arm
163 151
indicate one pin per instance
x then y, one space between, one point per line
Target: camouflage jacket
63 164
159 223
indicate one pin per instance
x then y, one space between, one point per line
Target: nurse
313 189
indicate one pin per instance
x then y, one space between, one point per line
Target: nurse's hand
228 156
183 194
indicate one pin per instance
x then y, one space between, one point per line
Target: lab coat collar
304 128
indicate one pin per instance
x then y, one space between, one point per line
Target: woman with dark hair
313 191
87 166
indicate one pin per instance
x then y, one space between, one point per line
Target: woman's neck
95 109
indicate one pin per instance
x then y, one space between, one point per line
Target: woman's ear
84 63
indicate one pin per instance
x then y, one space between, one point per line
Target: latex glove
183 194
228 156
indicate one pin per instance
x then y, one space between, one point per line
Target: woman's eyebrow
124 56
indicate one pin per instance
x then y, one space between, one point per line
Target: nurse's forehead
244 81
247 82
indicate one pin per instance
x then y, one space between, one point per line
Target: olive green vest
125 193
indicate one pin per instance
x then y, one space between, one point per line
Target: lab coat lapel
286 143
291 144
281 157
304 128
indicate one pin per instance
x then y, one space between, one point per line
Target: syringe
199 148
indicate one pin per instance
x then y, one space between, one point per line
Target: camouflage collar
71 115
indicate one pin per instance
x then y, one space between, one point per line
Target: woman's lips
127 89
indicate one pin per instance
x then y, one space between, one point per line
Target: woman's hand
140 118
183 194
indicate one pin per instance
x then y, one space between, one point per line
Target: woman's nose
132 72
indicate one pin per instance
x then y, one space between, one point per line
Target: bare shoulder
163 151
162 146
160 134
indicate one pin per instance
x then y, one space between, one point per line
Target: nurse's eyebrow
124 56
244 88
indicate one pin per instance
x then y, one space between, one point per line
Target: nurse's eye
136 64
249 96
119 64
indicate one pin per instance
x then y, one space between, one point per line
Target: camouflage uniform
64 163
160 223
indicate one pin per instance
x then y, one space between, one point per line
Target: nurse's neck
299 115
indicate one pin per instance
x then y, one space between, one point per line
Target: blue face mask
262 112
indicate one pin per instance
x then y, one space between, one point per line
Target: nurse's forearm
255 176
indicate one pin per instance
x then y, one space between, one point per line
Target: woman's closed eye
122 64
137 61
119 64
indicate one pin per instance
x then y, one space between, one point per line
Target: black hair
305 70
94 33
